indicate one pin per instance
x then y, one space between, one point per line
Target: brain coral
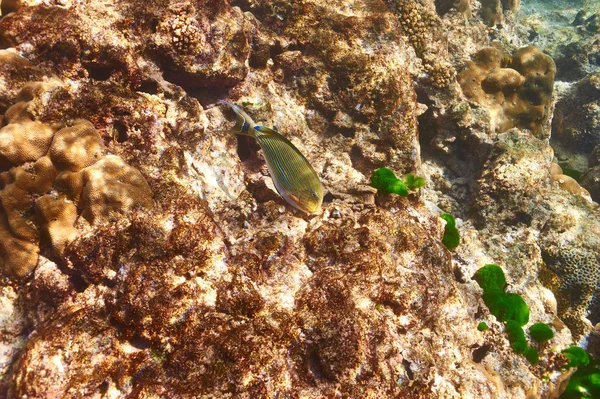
50 176
517 90
578 285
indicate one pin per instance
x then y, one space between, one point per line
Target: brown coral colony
49 177
516 90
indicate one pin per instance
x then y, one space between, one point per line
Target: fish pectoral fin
293 197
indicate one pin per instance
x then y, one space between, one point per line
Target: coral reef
567 183
510 176
516 90
591 181
421 25
444 6
492 11
168 266
15 72
578 277
576 120
48 177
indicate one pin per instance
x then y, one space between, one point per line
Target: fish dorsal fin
268 132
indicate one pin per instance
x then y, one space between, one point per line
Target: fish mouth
314 210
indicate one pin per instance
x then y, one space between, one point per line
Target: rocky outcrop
172 268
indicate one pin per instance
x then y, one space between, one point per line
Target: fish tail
243 124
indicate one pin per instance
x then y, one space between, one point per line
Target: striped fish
295 180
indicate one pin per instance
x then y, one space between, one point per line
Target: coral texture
516 90
576 123
48 177
421 25
578 275
566 182
217 287
492 11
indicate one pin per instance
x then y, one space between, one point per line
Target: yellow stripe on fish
293 176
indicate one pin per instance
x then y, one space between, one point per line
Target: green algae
451 237
532 355
386 182
505 306
577 356
541 332
491 278
516 336
414 182
585 382
509 308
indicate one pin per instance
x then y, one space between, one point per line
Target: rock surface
216 287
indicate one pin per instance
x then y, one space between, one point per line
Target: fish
293 176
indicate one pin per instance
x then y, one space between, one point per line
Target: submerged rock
172 268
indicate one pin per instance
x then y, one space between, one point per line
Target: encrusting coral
566 183
516 90
578 276
48 177
576 122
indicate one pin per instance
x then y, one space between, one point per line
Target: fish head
316 199
308 200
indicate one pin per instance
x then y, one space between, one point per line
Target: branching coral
48 177
422 27
516 91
